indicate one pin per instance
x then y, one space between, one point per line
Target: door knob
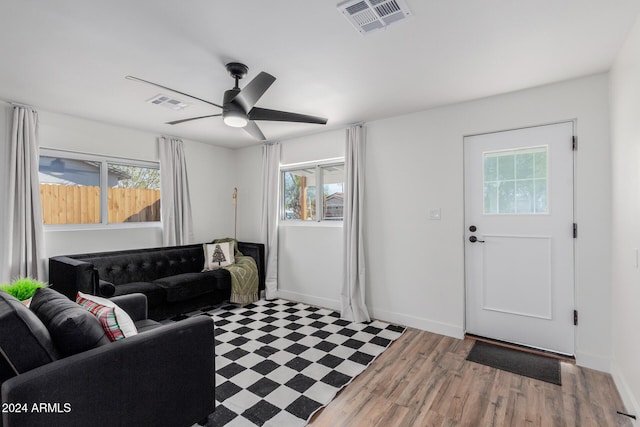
474 239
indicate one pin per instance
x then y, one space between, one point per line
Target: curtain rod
17 104
171 136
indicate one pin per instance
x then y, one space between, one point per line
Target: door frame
574 123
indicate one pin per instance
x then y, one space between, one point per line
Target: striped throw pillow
115 321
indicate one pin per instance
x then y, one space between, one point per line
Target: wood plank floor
424 380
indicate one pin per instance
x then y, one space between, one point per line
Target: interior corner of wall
628 398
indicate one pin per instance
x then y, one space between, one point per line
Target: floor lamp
235 213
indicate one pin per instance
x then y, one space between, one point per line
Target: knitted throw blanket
244 280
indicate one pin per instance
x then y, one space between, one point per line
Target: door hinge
575 230
574 143
575 317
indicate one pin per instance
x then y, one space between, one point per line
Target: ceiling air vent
168 102
370 15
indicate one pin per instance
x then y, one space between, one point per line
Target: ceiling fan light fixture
235 119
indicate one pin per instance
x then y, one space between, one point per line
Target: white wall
625 131
5 119
310 254
414 163
248 175
210 172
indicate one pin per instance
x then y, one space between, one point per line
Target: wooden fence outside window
77 204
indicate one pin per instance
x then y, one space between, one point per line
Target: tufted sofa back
145 265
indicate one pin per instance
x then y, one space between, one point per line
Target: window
86 189
313 193
515 181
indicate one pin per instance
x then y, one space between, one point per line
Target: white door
519 235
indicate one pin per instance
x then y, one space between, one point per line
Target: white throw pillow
218 255
116 323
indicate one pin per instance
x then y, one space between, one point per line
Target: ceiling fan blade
257 113
252 129
175 122
172 90
254 90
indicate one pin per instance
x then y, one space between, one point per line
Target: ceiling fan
238 105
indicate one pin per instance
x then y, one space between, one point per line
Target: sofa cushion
155 294
115 322
190 285
221 279
25 342
72 328
145 325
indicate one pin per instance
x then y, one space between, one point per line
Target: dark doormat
516 361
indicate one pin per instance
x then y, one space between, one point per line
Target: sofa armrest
69 275
134 304
163 377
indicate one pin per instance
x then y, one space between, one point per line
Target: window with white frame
312 192
78 188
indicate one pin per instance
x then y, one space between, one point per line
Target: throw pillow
117 324
72 328
218 255
236 252
25 343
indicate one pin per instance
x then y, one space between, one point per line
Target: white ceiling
71 56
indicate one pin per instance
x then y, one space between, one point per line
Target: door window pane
540 195
506 197
540 164
491 169
524 166
491 197
509 185
506 167
524 196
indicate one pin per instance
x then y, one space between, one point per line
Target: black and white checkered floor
278 362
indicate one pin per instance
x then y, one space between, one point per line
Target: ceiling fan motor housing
233 114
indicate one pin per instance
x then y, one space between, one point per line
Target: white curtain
177 222
25 236
269 220
353 288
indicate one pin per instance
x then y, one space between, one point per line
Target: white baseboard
309 299
629 400
418 323
591 361
384 315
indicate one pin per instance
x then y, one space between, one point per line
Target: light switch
435 213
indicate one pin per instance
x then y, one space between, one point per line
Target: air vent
371 15
168 102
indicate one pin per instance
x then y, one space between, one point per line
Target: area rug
518 362
278 362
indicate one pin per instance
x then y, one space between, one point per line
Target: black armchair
164 376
